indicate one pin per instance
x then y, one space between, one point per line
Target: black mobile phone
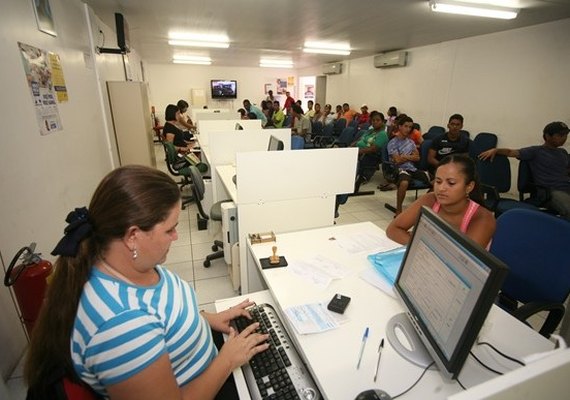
338 303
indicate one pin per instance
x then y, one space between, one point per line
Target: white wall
44 177
512 83
172 82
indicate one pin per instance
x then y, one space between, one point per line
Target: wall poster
39 77
281 86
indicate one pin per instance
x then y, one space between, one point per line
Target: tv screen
448 284
223 89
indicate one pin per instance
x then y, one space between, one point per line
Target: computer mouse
373 394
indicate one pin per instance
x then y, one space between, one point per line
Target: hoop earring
135 254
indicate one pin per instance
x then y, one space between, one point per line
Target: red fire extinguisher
29 280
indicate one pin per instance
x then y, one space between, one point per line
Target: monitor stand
418 353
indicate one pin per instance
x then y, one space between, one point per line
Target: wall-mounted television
223 89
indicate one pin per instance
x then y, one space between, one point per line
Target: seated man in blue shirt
450 142
549 164
403 153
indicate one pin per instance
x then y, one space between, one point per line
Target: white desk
332 356
225 185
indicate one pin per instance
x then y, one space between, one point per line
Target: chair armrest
555 314
491 196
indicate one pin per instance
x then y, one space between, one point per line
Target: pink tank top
471 210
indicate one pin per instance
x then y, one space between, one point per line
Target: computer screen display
275 144
448 284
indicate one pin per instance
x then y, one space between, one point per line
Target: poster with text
38 74
281 86
57 78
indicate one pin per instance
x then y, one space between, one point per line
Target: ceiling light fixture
473 9
191 62
275 63
189 57
198 40
342 49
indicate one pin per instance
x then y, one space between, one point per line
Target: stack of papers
313 318
384 269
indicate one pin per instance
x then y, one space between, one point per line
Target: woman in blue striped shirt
119 321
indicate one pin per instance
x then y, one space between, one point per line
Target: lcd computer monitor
223 89
275 144
448 284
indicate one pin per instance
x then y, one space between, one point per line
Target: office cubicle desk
332 356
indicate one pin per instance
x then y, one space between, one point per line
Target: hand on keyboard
221 321
241 347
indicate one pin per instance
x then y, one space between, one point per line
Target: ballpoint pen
364 339
380 348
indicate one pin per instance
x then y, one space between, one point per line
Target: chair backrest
176 166
434 132
424 150
198 190
482 142
346 137
328 130
534 246
288 121
496 173
297 142
316 127
339 125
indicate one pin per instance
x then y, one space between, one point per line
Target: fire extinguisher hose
28 259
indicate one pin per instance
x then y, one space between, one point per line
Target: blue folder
387 263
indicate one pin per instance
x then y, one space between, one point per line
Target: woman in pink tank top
456 198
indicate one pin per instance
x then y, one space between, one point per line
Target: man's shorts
417 175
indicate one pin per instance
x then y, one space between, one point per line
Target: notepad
387 263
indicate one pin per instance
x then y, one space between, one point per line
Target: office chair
345 138
317 128
297 142
533 244
482 142
215 214
326 138
390 171
338 126
433 132
495 179
178 166
529 191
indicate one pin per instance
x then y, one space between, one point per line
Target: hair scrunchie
78 229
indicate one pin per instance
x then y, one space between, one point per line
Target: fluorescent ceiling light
188 57
473 9
191 43
342 49
198 40
192 62
275 63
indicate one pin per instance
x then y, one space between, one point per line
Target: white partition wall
223 147
284 191
213 114
207 126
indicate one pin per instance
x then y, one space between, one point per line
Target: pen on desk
380 348
364 339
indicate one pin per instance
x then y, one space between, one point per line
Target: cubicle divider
202 114
224 145
205 127
283 191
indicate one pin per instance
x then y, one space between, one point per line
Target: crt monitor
448 284
275 144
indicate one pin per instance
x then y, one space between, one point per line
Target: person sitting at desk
456 198
184 122
172 133
119 322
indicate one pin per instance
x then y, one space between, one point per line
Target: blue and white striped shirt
120 329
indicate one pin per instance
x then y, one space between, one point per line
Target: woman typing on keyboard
115 321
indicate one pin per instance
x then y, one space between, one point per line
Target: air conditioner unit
392 59
229 228
332 69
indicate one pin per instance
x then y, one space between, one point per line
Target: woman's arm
182 120
399 228
157 381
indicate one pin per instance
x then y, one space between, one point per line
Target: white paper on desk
318 270
364 242
311 318
375 279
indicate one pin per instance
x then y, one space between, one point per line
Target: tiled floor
188 252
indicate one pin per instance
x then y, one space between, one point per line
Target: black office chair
482 142
529 191
178 166
533 245
215 214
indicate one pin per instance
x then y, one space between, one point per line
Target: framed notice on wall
44 17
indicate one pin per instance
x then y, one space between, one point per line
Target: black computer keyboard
277 373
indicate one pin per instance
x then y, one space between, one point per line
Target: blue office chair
345 138
338 126
482 142
297 142
534 244
434 132
326 138
495 179
316 128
